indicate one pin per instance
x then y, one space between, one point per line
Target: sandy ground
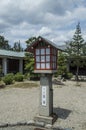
21 105
70 104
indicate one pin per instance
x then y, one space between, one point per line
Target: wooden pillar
21 66
4 64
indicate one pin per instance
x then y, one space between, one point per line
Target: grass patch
23 85
2 85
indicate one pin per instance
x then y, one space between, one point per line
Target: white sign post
43 95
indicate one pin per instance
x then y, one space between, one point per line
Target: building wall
82 70
11 65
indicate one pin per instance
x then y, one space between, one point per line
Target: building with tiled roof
11 61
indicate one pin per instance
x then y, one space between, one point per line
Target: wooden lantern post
45 54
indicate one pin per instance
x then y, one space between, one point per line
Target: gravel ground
18 105
21 105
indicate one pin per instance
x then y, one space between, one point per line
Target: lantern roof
38 41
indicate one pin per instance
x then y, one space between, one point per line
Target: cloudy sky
55 20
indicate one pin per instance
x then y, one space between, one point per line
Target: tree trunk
77 72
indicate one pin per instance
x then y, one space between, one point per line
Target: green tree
62 64
30 41
75 49
29 63
17 47
84 49
29 58
4 43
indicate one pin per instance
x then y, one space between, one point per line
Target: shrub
8 79
18 77
69 75
2 85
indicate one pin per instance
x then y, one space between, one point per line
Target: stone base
46 120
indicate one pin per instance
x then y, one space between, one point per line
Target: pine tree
75 49
17 47
4 43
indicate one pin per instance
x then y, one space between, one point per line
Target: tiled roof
52 43
8 53
30 49
62 48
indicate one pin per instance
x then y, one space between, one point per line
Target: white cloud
54 20
45 31
80 13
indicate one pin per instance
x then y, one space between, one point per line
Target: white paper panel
42 51
47 50
42 58
37 51
47 65
42 65
47 58
38 65
37 58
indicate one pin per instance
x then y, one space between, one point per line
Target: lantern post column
46 114
46 95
